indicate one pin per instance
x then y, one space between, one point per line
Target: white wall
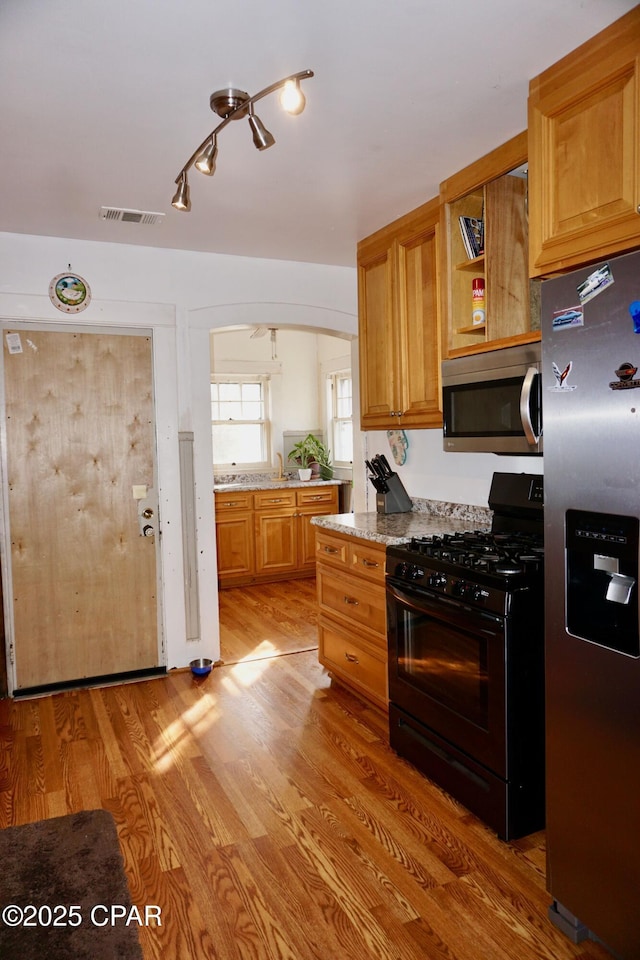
433 474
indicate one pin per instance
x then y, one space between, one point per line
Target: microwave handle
525 405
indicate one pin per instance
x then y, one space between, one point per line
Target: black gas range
483 569
465 619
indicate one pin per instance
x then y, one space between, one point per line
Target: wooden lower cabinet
352 626
267 534
234 535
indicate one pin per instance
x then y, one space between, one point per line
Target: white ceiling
103 101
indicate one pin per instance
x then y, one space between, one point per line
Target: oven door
447 670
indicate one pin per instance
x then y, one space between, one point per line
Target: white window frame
332 418
265 422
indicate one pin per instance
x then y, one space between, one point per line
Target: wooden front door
80 436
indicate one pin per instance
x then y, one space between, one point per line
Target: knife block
396 499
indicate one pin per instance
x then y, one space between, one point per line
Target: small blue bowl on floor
201 667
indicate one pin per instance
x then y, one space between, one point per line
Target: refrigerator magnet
595 283
561 375
626 374
634 310
569 317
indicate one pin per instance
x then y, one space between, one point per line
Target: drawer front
331 549
353 662
353 600
265 499
316 495
367 561
233 501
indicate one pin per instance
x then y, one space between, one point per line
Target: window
239 421
340 417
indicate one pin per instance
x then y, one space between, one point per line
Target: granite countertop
272 485
392 528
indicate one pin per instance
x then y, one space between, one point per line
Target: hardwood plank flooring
263 810
268 619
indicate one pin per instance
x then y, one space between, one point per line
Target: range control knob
402 570
476 592
437 580
459 588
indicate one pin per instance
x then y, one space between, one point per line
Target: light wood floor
263 810
268 619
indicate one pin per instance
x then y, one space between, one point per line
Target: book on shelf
472 231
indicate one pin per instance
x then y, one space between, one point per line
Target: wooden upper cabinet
492 190
376 330
399 330
584 152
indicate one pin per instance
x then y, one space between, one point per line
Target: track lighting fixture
233 104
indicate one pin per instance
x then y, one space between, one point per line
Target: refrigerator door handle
525 405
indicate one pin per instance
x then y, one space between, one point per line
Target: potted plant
321 455
299 454
305 453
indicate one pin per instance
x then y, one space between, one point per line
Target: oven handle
437 605
418 603
525 406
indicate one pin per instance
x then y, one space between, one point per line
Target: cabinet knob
351 657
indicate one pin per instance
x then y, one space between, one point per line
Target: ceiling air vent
131 216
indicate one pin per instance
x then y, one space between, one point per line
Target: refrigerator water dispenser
602 579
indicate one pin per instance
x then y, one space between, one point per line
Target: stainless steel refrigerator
591 410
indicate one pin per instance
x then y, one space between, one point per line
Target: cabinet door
399 326
276 541
377 339
234 539
419 328
584 163
307 533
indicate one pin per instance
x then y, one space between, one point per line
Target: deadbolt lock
148 513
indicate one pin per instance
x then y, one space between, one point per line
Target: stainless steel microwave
492 402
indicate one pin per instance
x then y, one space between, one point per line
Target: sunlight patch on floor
176 737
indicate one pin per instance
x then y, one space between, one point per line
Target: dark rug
48 867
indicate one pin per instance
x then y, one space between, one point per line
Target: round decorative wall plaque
69 293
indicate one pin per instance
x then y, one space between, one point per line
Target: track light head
206 162
262 139
181 199
292 99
